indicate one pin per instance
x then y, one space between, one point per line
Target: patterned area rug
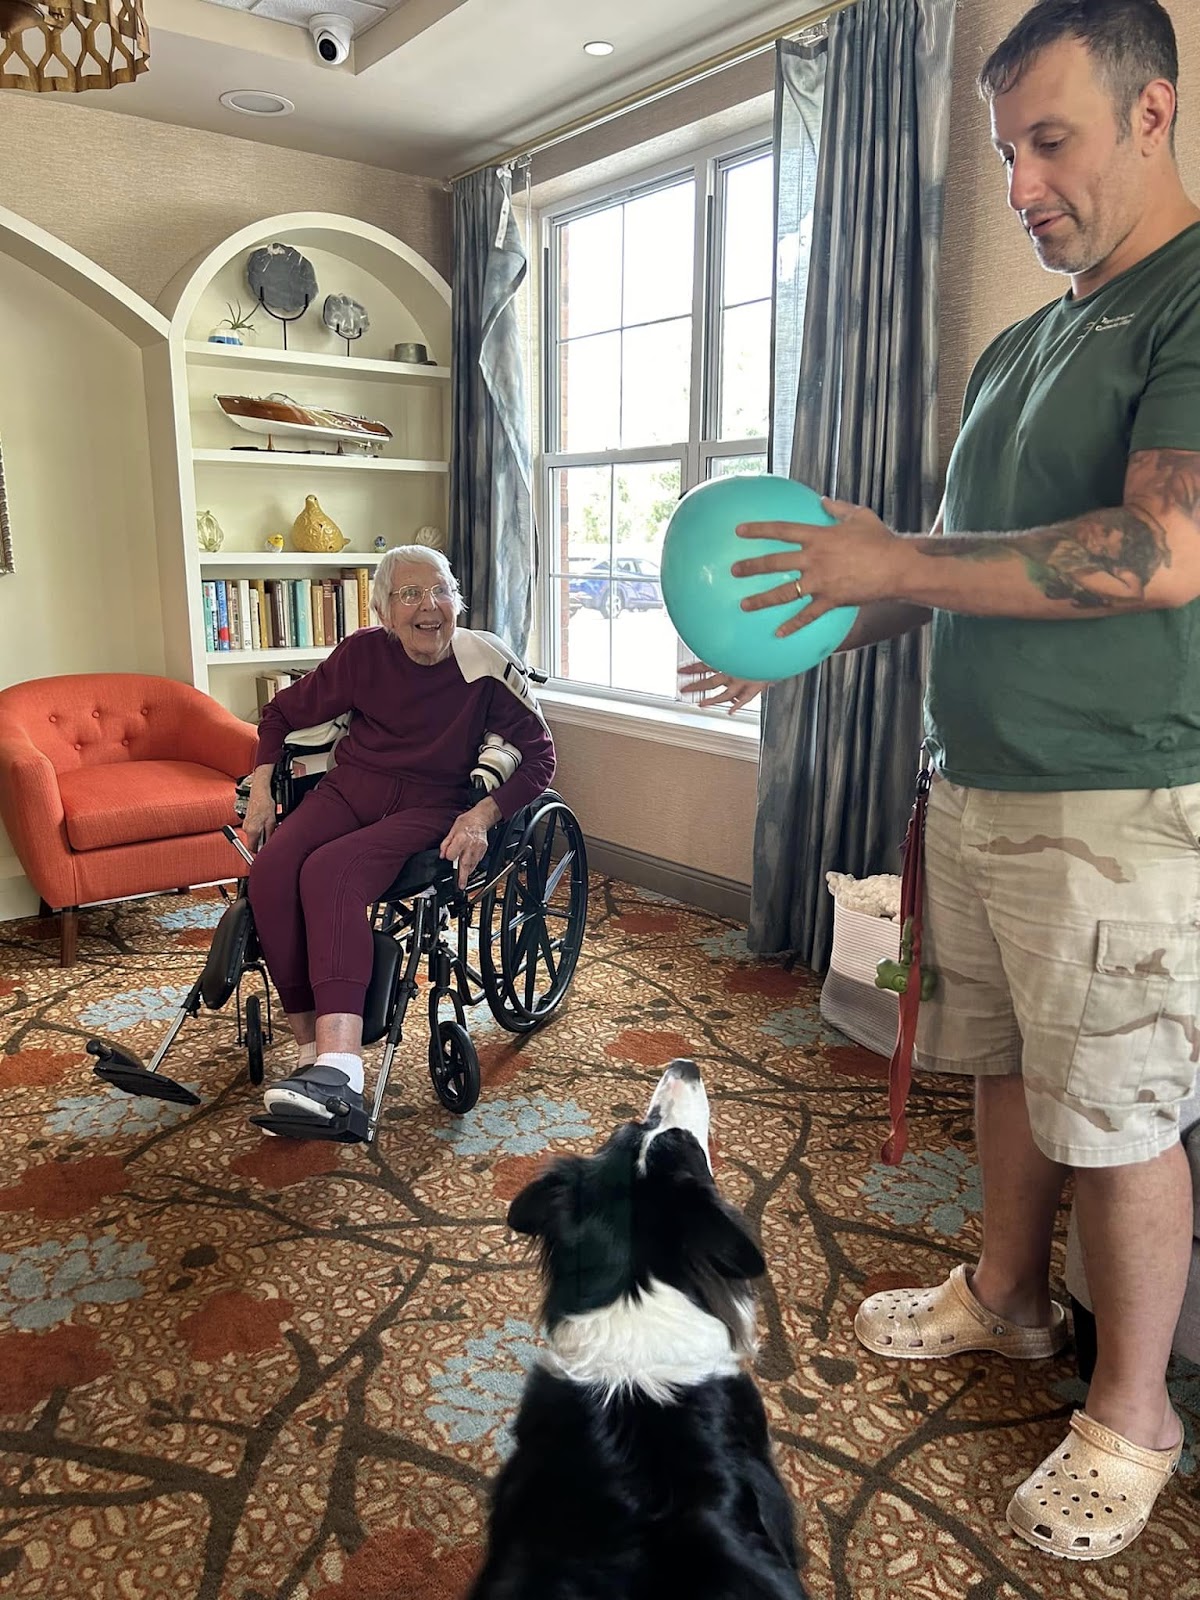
236 1368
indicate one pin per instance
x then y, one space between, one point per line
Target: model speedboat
279 416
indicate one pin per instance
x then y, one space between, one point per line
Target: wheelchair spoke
555 878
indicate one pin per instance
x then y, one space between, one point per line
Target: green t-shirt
1054 408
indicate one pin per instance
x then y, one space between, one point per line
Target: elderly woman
422 693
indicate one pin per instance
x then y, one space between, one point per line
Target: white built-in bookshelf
255 492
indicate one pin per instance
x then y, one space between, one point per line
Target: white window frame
597 705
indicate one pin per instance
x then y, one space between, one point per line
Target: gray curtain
840 744
491 527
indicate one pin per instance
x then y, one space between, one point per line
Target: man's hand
467 840
855 562
260 819
718 687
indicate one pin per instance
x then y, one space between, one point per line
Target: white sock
306 1054
351 1065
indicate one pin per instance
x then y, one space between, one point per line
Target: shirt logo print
1107 324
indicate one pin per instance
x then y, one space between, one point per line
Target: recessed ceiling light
598 47
257 102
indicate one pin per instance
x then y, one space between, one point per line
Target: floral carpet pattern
239 1368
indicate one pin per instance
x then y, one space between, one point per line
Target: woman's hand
719 688
260 819
467 841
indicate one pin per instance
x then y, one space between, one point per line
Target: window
657 360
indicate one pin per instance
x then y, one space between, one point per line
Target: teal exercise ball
703 598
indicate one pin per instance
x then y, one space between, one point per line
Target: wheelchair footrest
352 1126
132 1079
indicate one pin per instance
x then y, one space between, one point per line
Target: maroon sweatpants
313 880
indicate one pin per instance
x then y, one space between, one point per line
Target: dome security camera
332 37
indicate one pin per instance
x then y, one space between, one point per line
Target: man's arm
889 619
1143 555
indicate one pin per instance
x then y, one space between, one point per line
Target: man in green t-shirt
1063 717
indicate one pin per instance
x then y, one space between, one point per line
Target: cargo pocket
1138 1034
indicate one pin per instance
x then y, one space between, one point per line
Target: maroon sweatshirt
421 723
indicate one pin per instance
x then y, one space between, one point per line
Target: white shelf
241 658
288 558
301 463
200 351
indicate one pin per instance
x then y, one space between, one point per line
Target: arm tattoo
1107 559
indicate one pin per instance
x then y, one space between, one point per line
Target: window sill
720 735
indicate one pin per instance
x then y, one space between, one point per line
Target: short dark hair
1132 42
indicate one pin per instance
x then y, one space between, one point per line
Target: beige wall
84 593
676 805
145 199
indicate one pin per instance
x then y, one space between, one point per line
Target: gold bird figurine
315 531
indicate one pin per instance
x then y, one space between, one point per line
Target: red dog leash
905 977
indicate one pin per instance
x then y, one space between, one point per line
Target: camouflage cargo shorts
1065 932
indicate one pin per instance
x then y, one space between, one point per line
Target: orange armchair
114 784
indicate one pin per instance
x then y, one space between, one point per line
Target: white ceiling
432 86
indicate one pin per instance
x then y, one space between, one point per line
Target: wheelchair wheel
530 936
454 1067
254 1039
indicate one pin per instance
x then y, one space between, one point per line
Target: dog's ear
534 1209
724 1239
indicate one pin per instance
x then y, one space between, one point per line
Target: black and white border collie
643 1467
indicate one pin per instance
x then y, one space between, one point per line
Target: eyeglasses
412 595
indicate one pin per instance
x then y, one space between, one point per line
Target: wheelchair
527 900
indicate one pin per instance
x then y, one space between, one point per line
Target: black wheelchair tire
254 1040
514 922
454 1067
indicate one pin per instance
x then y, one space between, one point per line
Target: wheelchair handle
231 835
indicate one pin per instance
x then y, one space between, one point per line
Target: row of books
268 684
285 613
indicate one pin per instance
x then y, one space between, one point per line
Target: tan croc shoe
931 1324
1093 1496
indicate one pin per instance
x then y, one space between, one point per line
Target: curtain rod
643 97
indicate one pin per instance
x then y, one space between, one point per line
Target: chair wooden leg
69 947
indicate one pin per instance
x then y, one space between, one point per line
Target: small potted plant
236 328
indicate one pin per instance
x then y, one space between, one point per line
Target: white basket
861 942
850 1001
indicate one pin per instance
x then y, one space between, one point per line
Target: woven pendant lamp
69 45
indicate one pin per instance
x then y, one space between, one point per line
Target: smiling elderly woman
422 693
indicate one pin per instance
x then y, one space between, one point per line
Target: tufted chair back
102 718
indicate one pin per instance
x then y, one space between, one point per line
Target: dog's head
642 1212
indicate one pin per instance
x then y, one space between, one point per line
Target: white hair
404 555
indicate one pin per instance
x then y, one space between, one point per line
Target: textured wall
144 199
676 805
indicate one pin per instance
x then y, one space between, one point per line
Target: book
317 613
235 621
209 592
329 629
222 615
260 605
243 588
275 601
